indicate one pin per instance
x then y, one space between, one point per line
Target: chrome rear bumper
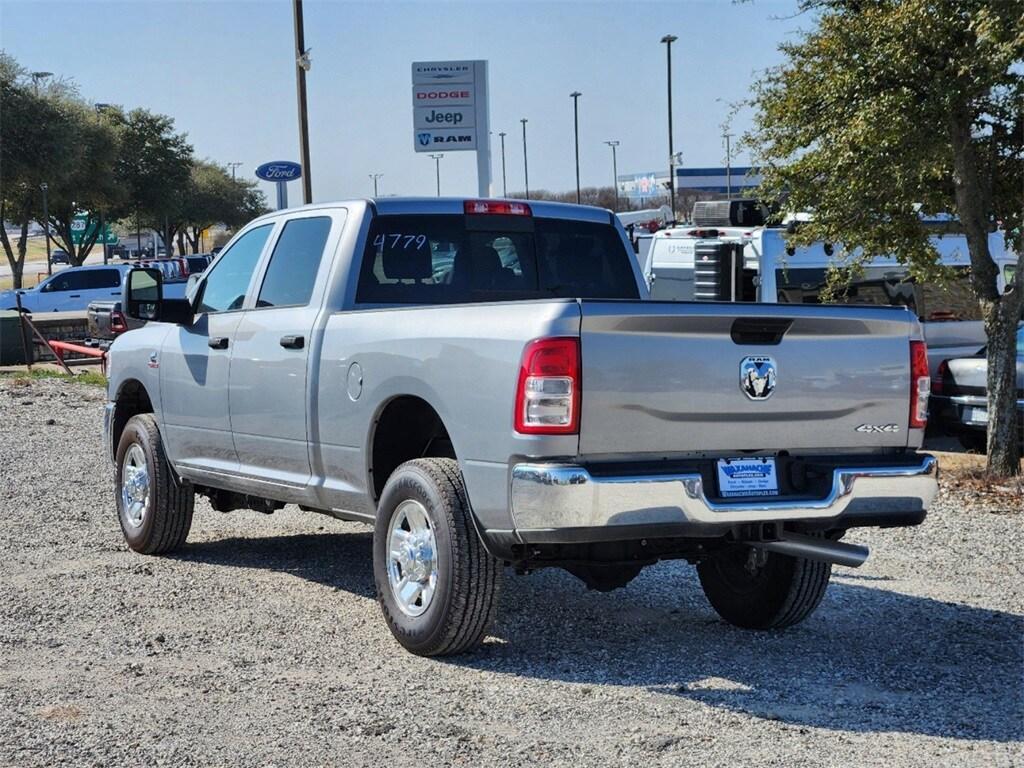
557 496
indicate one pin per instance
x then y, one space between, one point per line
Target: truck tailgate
664 379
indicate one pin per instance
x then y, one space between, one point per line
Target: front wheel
763 590
153 507
436 584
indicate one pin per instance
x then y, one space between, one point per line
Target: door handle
293 342
75 296
218 342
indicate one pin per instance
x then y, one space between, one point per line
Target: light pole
526 168
302 65
575 95
668 40
375 176
46 226
100 109
615 171
232 166
504 185
36 77
437 166
728 166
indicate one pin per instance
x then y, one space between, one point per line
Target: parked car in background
198 262
60 256
960 396
107 321
71 290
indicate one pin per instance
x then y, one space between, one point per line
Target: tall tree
888 110
35 148
213 197
155 165
88 186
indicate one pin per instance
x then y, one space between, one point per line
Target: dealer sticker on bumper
747 477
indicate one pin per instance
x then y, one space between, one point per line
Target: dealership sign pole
450 112
280 172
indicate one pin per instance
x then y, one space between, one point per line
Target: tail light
118 324
920 385
496 207
940 374
548 396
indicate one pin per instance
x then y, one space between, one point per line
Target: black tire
167 516
783 591
468 579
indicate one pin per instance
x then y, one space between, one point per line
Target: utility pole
302 65
615 171
668 40
575 95
504 184
437 166
526 168
232 166
46 226
728 166
375 176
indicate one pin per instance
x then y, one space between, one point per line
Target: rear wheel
153 507
763 590
436 584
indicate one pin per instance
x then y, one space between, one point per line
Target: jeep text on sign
429 118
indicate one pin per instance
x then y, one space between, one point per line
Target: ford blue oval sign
279 170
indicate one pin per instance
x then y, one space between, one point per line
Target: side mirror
144 299
144 294
190 286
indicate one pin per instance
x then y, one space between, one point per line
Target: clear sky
224 71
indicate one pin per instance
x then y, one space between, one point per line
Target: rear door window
103 278
444 259
294 263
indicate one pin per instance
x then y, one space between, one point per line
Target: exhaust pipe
814 548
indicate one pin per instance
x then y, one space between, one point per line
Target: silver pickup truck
488 384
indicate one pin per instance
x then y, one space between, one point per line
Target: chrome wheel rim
134 486
412 558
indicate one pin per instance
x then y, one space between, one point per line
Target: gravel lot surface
261 644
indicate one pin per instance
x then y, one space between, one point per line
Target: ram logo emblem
758 376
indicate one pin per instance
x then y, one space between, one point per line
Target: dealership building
652 184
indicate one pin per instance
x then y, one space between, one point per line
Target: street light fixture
233 166
615 171
375 176
668 40
437 165
526 169
575 95
36 77
504 185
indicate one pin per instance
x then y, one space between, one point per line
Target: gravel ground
261 644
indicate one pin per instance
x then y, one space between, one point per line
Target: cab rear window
449 259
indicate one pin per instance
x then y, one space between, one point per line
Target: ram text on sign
445 139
